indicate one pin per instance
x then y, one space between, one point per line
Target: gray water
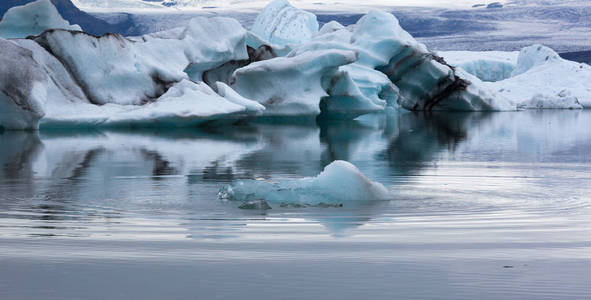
487 206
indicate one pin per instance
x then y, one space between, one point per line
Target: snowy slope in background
343 5
563 25
442 25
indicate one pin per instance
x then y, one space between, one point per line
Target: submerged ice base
340 183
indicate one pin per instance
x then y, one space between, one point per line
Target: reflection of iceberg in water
114 174
531 136
417 139
17 152
182 170
344 140
112 171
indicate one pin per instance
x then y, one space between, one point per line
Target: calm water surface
493 206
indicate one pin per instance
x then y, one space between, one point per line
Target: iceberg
34 83
425 80
22 87
32 19
340 183
356 88
37 90
533 56
224 72
544 80
282 24
115 69
213 71
185 104
487 65
117 81
290 86
62 87
561 101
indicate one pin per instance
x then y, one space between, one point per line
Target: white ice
487 65
562 100
282 24
290 86
339 183
334 71
32 19
541 75
22 87
356 88
185 104
424 80
115 69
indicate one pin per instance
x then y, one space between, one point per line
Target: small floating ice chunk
340 183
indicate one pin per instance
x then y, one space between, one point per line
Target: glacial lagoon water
484 206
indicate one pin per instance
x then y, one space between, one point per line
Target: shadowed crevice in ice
224 72
340 184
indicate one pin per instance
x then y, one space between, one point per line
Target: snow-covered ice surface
535 77
339 183
561 101
32 19
542 76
